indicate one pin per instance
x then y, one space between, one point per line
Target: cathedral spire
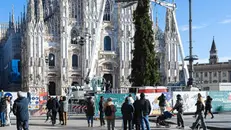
40 11
24 15
12 17
30 11
19 28
9 20
213 53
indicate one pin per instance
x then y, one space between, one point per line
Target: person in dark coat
162 103
101 112
20 110
55 108
3 108
179 107
90 112
137 113
60 110
49 106
208 106
145 111
127 110
200 108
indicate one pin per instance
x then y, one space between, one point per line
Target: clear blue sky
210 18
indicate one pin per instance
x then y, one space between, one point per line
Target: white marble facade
51 27
53 60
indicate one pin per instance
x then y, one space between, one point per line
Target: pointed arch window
107 43
51 59
74 60
107 12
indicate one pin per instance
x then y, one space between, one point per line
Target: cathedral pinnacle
40 11
30 11
12 17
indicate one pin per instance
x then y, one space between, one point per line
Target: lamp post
81 43
46 69
191 57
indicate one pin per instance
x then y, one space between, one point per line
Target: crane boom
96 42
172 7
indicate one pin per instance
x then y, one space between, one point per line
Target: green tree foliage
144 64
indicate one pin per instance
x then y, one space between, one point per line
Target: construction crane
172 8
96 46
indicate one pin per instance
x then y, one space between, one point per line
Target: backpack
108 111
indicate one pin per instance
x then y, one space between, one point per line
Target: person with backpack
127 110
110 109
208 106
90 112
162 103
145 111
179 107
3 108
200 108
101 112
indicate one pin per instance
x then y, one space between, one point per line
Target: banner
189 99
153 98
40 104
221 100
117 99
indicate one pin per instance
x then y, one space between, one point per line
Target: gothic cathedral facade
61 36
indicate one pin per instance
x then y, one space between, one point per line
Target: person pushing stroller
179 107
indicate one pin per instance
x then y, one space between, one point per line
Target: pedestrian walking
8 110
208 106
200 109
137 114
200 99
55 108
110 109
179 107
101 112
90 112
145 111
49 106
3 108
162 103
60 110
127 110
64 109
20 110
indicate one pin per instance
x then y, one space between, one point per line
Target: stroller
161 120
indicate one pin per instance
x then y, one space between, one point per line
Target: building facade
65 41
208 76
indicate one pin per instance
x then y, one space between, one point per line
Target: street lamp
81 40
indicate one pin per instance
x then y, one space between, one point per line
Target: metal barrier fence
75 109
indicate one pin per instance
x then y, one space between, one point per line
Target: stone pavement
74 123
221 121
